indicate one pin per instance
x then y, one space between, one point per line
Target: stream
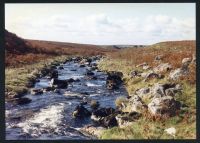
49 115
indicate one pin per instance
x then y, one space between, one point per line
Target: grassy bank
17 80
148 127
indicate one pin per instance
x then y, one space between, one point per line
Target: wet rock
21 101
58 83
164 106
94 104
53 74
102 112
91 77
126 119
109 121
76 59
46 89
60 67
136 104
71 80
80 112
35 91
113 80
81 66
57 91
89 73
94 68
164 67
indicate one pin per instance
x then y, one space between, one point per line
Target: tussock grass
18 79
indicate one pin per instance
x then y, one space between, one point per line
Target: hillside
21 51
146 69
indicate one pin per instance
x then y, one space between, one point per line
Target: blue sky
120 23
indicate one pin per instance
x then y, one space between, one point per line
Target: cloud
103 27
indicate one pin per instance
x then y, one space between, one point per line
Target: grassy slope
148 127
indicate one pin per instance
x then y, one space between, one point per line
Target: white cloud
98 27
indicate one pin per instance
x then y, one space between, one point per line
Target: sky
103 24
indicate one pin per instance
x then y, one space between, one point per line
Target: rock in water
80 112
58 83
22 101
35 91
114 79
53 74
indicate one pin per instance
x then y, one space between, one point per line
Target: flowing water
49 115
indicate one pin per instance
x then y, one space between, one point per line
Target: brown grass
21 51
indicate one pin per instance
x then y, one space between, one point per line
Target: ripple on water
46 120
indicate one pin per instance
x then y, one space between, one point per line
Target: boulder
162 68
60 67
146 67
135 73
89 73
176 74
142 64
80 112
125 119
186 62
102 112
46 89
152 75
136 104
94 104
105 117
21 101
71 80
92 130
109 121
82 65
58 83
35 91
11 95
114 79
53 74
166 89
194 58
166 105
142 91
158 58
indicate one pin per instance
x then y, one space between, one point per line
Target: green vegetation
18 80
150 127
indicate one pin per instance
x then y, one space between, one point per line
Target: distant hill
24 51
